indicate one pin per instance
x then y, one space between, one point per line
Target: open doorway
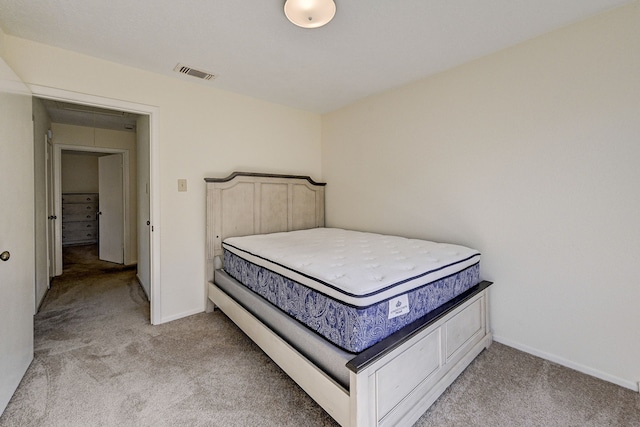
80 130
96 208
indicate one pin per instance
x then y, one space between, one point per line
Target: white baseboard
635 386
143 289
181 315
39 305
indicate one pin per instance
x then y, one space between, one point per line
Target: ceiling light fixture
310 13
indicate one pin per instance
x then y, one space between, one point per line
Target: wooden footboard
397 387
394 387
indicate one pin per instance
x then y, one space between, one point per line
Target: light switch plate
182 185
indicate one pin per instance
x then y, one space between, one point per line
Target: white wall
532 156
79 172
202 132
41 124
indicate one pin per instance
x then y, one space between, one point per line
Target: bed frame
393 382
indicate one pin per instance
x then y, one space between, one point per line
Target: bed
388 370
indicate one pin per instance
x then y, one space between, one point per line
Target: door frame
57 202
48 178
154 173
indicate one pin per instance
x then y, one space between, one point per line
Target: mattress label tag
398 306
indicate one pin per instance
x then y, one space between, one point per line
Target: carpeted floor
98 362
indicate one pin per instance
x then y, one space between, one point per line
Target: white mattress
356 268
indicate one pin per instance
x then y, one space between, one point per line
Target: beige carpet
98 362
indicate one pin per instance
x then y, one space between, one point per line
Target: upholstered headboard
253 203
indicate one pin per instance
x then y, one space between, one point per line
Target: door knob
4 256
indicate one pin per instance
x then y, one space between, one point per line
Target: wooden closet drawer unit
79 198
79 236
79 226
79 212
79 218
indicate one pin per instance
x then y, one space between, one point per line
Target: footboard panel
394 381
404 383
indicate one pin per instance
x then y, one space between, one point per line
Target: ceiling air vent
193 72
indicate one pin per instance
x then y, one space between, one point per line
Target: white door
17 247
111 210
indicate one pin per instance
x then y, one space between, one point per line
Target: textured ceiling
370 46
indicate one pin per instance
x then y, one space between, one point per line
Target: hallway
85 278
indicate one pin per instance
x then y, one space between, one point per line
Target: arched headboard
246 203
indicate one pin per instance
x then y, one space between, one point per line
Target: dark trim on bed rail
264 175
370 355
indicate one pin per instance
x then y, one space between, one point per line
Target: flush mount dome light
310 13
